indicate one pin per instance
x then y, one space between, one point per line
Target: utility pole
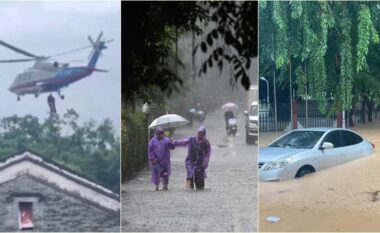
290 92
306 99
274 86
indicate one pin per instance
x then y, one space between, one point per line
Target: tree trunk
370 105
362 114
350 118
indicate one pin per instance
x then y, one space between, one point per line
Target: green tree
331 39
150 33
153 28
91 150
233 39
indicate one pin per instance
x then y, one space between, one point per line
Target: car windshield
299 139
253 110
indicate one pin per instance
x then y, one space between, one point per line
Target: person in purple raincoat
159 157
198 156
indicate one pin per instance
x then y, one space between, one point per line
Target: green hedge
134 136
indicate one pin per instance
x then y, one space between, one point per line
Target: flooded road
342 198
228 203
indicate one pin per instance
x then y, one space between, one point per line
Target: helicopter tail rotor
97 39
91 41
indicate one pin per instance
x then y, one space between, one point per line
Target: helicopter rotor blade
17 60
17 49
71 51
35 57
91 41
100 36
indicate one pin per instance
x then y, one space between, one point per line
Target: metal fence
267 121
314 118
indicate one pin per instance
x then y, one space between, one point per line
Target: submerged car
304 151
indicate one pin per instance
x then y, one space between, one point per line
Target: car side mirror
245 113
327 145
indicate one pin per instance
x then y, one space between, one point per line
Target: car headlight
278 164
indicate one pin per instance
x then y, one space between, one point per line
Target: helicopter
47 76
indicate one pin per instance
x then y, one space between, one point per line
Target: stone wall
53 209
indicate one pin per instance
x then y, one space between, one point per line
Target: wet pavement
228 203
341 198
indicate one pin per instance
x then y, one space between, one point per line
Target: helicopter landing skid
61 96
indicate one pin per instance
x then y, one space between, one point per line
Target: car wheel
304 171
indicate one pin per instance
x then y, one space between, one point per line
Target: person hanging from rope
51 103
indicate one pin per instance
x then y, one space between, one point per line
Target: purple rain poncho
160 150
198 154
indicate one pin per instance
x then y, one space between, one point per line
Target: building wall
59 176
53 209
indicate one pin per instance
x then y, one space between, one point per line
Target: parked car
252 123
304 151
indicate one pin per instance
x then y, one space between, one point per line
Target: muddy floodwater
341 198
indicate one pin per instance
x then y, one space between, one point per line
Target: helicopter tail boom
97 48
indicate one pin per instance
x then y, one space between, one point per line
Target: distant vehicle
48 76
232 127
230 112
304 151
252 123
199 116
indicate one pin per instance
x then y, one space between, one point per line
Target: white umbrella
168 121
230 107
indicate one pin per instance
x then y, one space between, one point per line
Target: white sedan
303 151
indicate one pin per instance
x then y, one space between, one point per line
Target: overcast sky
46 28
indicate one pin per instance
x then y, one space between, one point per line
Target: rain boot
189 184
165 182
